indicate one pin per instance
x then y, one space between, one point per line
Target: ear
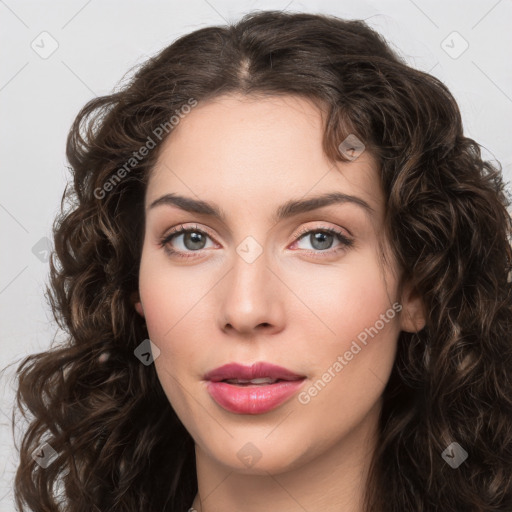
138 308
413 316
135 300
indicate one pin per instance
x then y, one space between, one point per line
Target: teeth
262 380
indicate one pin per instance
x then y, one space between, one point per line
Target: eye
194 240
321 239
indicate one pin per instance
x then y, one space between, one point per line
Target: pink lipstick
252 389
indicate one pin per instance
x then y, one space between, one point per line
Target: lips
254 389
261 370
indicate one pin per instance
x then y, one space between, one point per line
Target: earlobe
138 308
413 316
135 300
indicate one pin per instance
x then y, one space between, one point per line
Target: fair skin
298 305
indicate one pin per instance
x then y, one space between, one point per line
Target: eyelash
346 242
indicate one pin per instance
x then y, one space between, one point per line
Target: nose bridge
250 297
250 269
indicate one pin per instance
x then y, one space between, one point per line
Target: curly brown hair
107 416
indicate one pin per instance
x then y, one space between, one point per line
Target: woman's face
266 282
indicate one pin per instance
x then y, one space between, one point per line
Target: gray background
98 42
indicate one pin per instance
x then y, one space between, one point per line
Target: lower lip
252 399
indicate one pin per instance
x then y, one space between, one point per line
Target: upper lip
256 371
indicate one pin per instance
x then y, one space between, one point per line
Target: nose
251 298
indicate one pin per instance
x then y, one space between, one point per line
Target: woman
284 275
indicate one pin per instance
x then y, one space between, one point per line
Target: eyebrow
289 209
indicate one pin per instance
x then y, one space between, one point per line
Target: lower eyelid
172 236
344 240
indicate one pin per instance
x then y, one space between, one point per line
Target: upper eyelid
297 235
345 241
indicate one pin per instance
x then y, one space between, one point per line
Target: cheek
352 316
167 298
169 295
175 312
353 358
345 298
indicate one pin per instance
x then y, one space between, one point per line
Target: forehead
254 151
